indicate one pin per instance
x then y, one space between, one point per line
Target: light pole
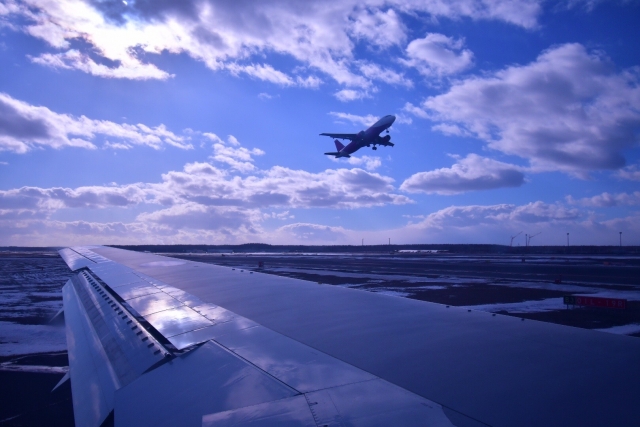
621 239
567 239
526 240
363 242
389 241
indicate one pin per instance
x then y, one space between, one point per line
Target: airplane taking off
364 138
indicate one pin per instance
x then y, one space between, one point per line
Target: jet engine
386 138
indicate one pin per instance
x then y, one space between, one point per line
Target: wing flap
206 380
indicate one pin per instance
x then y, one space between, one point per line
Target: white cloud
239 158
346 95
369 119
365 121
24 127
194 216
50 199
267 73
450 130
280 187
73 59
587 5
282 216
497 223
568 110
116 146
416 111
320 35
312 82
262 72
203 195
472 173
199 203
631 173
498 215
311 233
438 55
376 72
403 119
606 200
383 29
369 163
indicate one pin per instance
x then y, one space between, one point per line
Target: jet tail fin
339 145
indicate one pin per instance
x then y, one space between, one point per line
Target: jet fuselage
365 138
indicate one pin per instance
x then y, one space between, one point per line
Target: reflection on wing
155 341
156 355
349 136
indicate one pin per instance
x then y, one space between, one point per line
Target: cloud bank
472 173
24 127
322 36
569 110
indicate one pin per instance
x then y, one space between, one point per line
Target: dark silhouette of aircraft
364 138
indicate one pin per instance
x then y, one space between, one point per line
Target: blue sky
197 121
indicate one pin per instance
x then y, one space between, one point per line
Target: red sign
600 302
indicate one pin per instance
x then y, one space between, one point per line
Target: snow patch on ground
382 277
390 292
549 304
40 369
628 295
16 339
629 329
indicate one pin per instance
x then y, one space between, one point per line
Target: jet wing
160 341
350 136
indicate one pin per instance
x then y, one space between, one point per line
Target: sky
198 121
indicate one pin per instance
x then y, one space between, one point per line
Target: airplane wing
160 341
349 136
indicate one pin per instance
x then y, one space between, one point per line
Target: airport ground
528 285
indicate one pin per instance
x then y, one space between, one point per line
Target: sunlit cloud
320 35
24 127
438 55
569 110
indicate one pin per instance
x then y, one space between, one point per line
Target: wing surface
161 341
350 136
148 353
